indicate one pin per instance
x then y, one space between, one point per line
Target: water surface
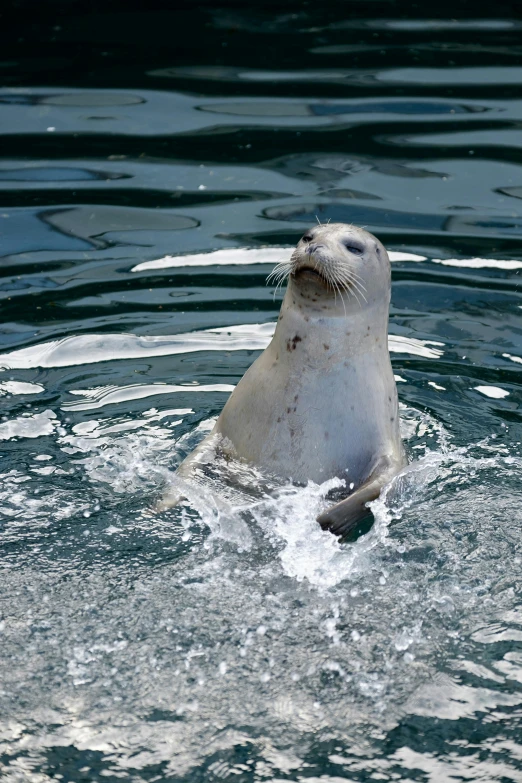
155 165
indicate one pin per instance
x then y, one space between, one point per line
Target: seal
321 401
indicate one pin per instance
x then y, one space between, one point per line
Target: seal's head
337 264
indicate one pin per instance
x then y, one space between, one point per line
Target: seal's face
336 261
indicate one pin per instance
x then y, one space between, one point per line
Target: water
155 165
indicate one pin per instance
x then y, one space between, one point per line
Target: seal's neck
310 325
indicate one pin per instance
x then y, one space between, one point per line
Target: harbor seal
321 401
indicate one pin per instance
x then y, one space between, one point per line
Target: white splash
29 426
305 551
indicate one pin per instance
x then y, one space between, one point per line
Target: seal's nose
313 246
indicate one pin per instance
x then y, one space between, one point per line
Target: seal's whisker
278 276
352 274
350 277
339 274
352 280
284 271
330 281
276 289
361 290
342 297
361 293
281 270
352 285
344 276
356 286
278 283
358 278
352 290
335 287
282 265
344 304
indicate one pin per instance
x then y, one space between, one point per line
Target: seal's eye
307 237
356 249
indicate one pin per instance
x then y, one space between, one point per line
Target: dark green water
154 165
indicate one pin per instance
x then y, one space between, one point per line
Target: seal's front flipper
170 498
344 517
203 454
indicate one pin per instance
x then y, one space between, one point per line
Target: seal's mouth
310 273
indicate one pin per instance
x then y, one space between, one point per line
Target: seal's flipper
204 453
344 517
170 498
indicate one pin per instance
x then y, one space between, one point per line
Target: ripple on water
143 201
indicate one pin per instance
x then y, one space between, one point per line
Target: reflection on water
155 164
